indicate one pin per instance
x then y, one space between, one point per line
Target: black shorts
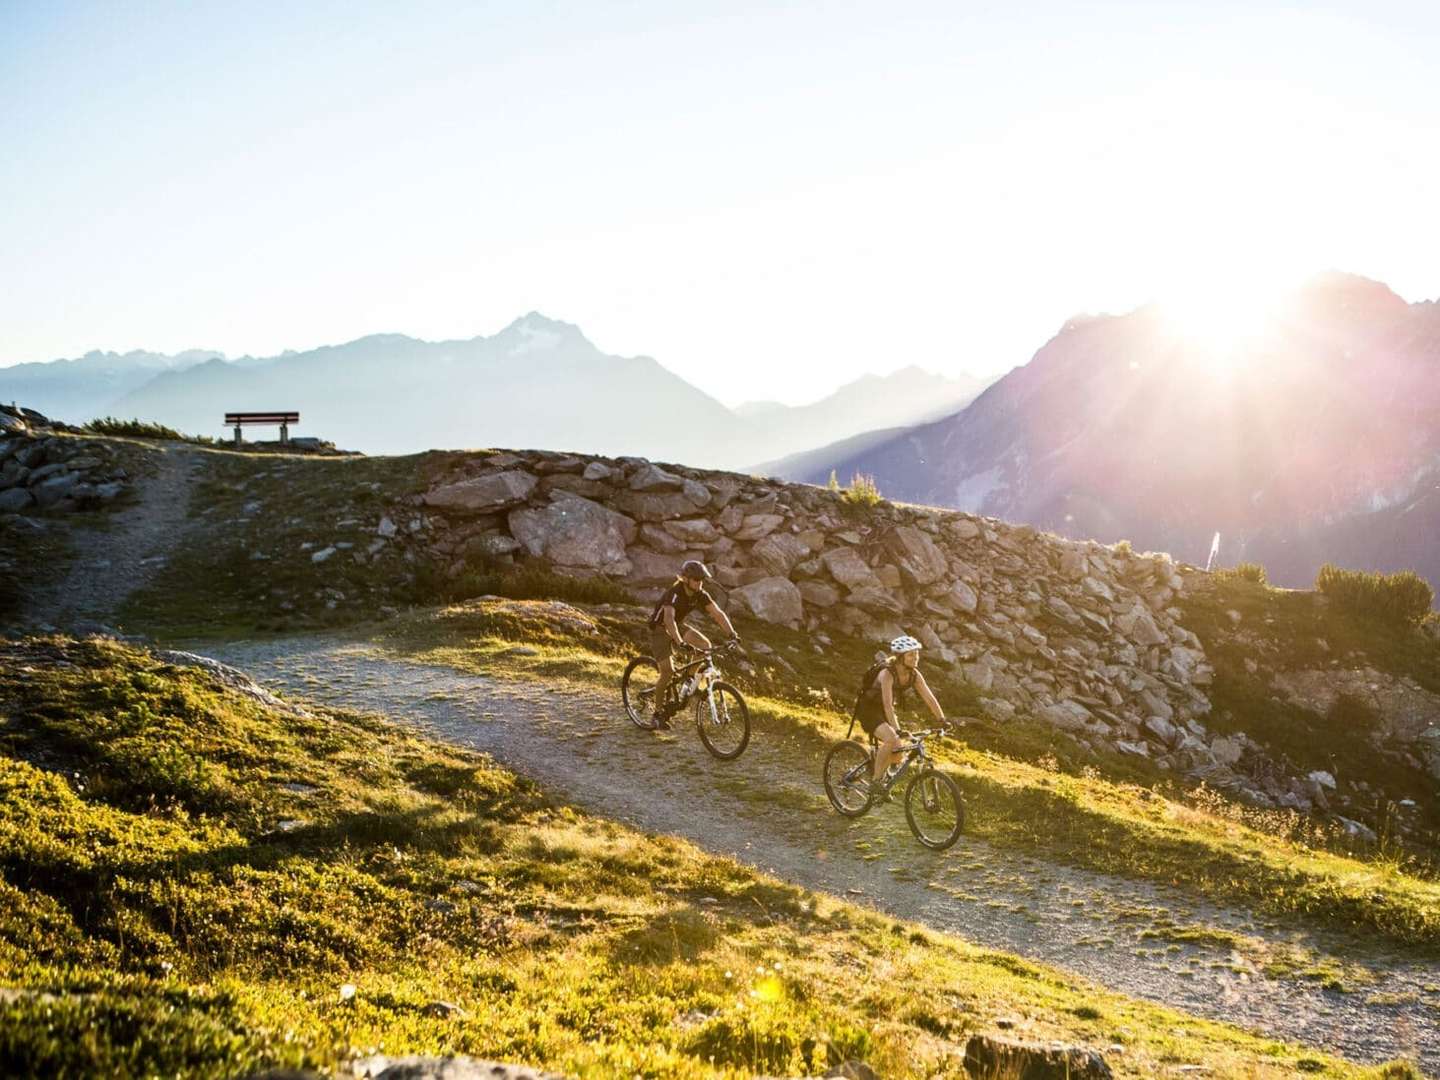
661 644
870 719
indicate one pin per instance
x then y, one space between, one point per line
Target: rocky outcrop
42 468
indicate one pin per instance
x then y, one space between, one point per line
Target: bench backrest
232 418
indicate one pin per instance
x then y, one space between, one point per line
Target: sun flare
1218 318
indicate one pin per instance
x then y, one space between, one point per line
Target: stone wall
1085 637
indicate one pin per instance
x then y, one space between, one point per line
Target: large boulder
849 569
483 494
779 552
773 599
14 500
918 558
573 531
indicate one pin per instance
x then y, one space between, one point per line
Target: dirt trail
768 810
108 563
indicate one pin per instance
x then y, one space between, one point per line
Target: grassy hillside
195 883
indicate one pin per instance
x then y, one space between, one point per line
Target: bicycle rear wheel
847 778
637 691
725 731
934 809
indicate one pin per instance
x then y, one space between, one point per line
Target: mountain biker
667 627
897 676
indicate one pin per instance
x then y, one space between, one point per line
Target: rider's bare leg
667 669
888 751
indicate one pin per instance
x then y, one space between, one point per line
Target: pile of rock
41 470
1085 637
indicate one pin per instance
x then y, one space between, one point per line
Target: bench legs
284 434
237 434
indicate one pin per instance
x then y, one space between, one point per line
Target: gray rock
656 537
323 554
779 553
758 526
1226 750
386 528
573 531
772 599
483 494
848 569
819 594
657 506
46 471
1324 779
991 1055
1162 729
597 470
14 500
53 488
1066 715
653 478
918 558
692 531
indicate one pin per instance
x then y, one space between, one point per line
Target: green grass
1194 840
172 904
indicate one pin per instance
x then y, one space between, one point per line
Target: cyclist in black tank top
900 676
667 627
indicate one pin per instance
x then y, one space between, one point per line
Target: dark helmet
694 568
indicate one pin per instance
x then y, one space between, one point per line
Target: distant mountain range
537 383
1318 439
85 388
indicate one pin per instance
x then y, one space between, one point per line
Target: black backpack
866 682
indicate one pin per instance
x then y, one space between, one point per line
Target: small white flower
347 991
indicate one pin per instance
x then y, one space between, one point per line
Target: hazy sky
769 198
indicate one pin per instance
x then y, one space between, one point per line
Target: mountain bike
721 715
933 806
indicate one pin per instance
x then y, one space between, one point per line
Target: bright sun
1220 317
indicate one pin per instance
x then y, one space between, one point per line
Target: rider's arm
926 695
721 618
668 612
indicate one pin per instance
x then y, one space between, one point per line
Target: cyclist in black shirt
667 627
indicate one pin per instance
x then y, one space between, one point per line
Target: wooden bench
237 420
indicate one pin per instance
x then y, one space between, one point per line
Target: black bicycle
721 715
933 806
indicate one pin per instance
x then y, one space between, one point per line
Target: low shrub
142 429
1245 571
863 491
1401 597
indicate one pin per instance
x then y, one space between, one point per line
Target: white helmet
903 644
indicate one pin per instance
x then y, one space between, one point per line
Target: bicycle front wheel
847 778
637 691
724 721
934 809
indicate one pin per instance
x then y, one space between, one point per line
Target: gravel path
768 810
108 564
